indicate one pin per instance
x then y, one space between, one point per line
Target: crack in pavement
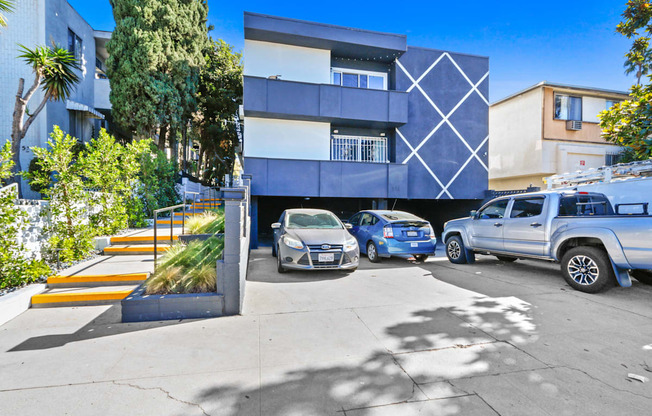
602 381
167 393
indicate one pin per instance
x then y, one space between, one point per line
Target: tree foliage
220 95
55 71
5 6
155 53
629 123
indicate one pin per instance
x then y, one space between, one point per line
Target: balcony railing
359 149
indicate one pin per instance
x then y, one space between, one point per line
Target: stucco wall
515 147
292 63
26 27
286 139
556 129
445 148
61 17
517 182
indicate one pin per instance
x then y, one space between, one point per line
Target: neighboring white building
547 129
43 22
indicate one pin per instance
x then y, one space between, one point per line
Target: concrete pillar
254 222
230 281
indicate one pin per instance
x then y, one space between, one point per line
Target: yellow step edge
80 296
135 248
142 238
97 278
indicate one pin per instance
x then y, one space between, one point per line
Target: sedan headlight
292 243
350 245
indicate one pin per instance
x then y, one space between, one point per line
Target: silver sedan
307 239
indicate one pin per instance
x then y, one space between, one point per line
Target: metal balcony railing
359 149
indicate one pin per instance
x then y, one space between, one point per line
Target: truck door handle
535 224
497 224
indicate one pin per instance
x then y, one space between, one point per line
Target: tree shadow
358 387
107 324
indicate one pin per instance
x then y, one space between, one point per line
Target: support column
230 281
254 222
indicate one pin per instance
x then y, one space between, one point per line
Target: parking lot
395 338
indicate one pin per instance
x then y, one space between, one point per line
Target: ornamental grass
187 268
208 222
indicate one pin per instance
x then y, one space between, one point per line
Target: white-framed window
568 107
358 78
359 148
610 103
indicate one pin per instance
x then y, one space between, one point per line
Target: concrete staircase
101 289
87 290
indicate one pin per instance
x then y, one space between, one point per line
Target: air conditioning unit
573 125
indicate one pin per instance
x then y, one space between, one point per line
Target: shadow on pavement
106 324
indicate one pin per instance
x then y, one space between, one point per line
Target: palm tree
5 7
55 71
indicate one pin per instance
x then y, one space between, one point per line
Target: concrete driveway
396 338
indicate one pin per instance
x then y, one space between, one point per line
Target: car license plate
414 244
412 234
326 257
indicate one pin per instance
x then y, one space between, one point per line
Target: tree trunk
18 129
184 140
175 147
162 135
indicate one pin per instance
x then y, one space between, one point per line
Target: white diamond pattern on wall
446 120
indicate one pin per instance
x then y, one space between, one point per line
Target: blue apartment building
348 119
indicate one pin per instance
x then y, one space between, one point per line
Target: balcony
341 41
326 178
272 98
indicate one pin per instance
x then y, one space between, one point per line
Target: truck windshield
581 205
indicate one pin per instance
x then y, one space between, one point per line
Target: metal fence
359 148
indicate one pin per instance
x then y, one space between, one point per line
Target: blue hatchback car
389 233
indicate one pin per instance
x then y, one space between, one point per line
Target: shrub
15 269
157 179
187 268
70 233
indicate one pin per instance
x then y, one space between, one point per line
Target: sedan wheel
279 266
372 253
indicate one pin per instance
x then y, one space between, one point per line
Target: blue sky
569 42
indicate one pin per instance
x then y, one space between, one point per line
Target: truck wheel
455 250
507 259
587 269
372 252
643 276
273 251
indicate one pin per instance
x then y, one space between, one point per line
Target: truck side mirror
276 225
348 226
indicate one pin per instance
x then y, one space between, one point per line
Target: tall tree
220 95
6 6
629 123
55 71
155 53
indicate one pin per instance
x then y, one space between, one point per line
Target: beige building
547 129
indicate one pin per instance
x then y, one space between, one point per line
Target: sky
568 42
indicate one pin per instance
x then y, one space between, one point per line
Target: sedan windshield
321 220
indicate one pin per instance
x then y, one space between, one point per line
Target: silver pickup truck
595 243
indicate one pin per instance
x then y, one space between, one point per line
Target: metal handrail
156 211
183 223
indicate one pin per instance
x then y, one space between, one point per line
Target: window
610 103
366 220
359 148
321 220
525 208
355 220
567 107
579 205
494 211
611 159
359 79
74 45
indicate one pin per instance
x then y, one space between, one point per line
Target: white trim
342 71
